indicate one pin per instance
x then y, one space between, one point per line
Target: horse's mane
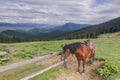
72 47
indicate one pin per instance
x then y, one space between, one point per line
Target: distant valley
37 31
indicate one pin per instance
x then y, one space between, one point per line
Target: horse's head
89 44
65 52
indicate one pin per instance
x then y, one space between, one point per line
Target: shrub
107 70
22 55
1 62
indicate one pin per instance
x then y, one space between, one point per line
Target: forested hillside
94 30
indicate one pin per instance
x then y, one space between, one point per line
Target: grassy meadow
107 48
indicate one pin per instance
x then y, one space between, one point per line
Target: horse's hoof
65 67
83 71
78 71
90 62
82 74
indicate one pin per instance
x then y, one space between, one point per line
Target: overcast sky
58 11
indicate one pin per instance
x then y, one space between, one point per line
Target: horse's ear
63 45
88 40
85 42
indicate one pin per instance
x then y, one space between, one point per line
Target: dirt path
72 67
73 75
49 62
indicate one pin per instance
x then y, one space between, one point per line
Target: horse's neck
88 47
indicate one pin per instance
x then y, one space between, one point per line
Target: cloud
58 11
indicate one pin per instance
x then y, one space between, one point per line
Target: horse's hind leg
78 70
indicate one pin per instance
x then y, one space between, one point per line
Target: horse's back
72 47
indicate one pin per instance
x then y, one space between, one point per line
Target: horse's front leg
65 63
93 57
78 70
84 62
90 59
62 58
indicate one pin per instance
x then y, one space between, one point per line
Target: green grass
110 35
109 49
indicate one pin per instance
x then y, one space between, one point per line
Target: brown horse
81 50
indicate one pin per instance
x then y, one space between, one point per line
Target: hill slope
94 30
12 33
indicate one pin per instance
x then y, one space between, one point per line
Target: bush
1 62
107 70
22 55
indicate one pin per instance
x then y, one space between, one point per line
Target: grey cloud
58 11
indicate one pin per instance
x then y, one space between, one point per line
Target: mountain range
37 31
65 31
